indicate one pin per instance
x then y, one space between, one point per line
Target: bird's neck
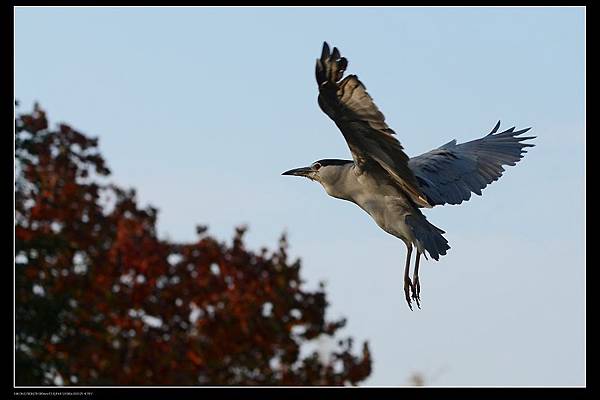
341 182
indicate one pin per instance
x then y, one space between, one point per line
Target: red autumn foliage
101 300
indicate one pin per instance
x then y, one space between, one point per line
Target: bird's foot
416 291
408 286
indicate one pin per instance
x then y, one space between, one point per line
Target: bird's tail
428 237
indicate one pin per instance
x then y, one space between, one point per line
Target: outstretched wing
448 174
370 140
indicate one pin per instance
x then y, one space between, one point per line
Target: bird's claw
408 285
416 291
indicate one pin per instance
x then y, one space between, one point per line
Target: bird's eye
316 166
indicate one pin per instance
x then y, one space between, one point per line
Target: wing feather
450 173
368 136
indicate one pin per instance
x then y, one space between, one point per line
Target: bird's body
376 194
387 184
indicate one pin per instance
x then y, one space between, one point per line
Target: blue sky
201 109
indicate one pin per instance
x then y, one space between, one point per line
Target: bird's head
325 172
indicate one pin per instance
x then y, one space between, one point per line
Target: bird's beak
305 171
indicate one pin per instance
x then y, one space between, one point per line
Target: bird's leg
416 285
407 283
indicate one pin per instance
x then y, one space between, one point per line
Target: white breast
386 204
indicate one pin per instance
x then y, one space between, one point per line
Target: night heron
391 187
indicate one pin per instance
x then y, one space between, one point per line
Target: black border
162 392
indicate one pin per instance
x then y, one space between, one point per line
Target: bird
388 184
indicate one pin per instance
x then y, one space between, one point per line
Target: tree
101 300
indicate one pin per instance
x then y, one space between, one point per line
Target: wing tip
511 131
495 129
335 54
325 51
330 67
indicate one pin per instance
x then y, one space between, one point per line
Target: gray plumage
387 184
448 174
